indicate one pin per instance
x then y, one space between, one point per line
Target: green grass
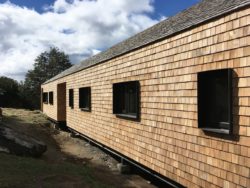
28 172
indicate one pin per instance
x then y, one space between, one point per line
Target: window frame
51 99
87 91
71 98
223 127
118 88
45 97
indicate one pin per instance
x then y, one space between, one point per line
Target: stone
13 142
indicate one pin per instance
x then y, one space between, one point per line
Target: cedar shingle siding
168 62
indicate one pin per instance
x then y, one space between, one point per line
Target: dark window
215 101
85 98
71 98
45 98
51 98
126 99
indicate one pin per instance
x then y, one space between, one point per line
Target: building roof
189 18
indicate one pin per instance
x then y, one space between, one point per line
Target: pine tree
47 65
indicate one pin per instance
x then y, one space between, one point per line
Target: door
61 102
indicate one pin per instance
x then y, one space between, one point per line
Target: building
174 98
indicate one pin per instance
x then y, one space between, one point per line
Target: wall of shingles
167 138
48 109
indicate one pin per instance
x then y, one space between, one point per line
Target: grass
28 172
26 116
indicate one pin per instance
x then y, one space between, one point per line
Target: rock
20 144
5 150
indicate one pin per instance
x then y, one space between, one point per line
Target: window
85 98
51 98
71 98
126 99
45 98
215 101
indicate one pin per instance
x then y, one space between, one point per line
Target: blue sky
162 7
172 7
79 28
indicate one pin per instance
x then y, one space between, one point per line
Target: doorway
61 103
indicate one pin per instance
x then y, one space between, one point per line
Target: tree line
27 93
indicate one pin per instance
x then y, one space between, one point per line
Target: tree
47 65
9 94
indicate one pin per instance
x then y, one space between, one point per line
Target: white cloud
80 28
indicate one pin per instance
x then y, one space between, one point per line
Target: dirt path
64 150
